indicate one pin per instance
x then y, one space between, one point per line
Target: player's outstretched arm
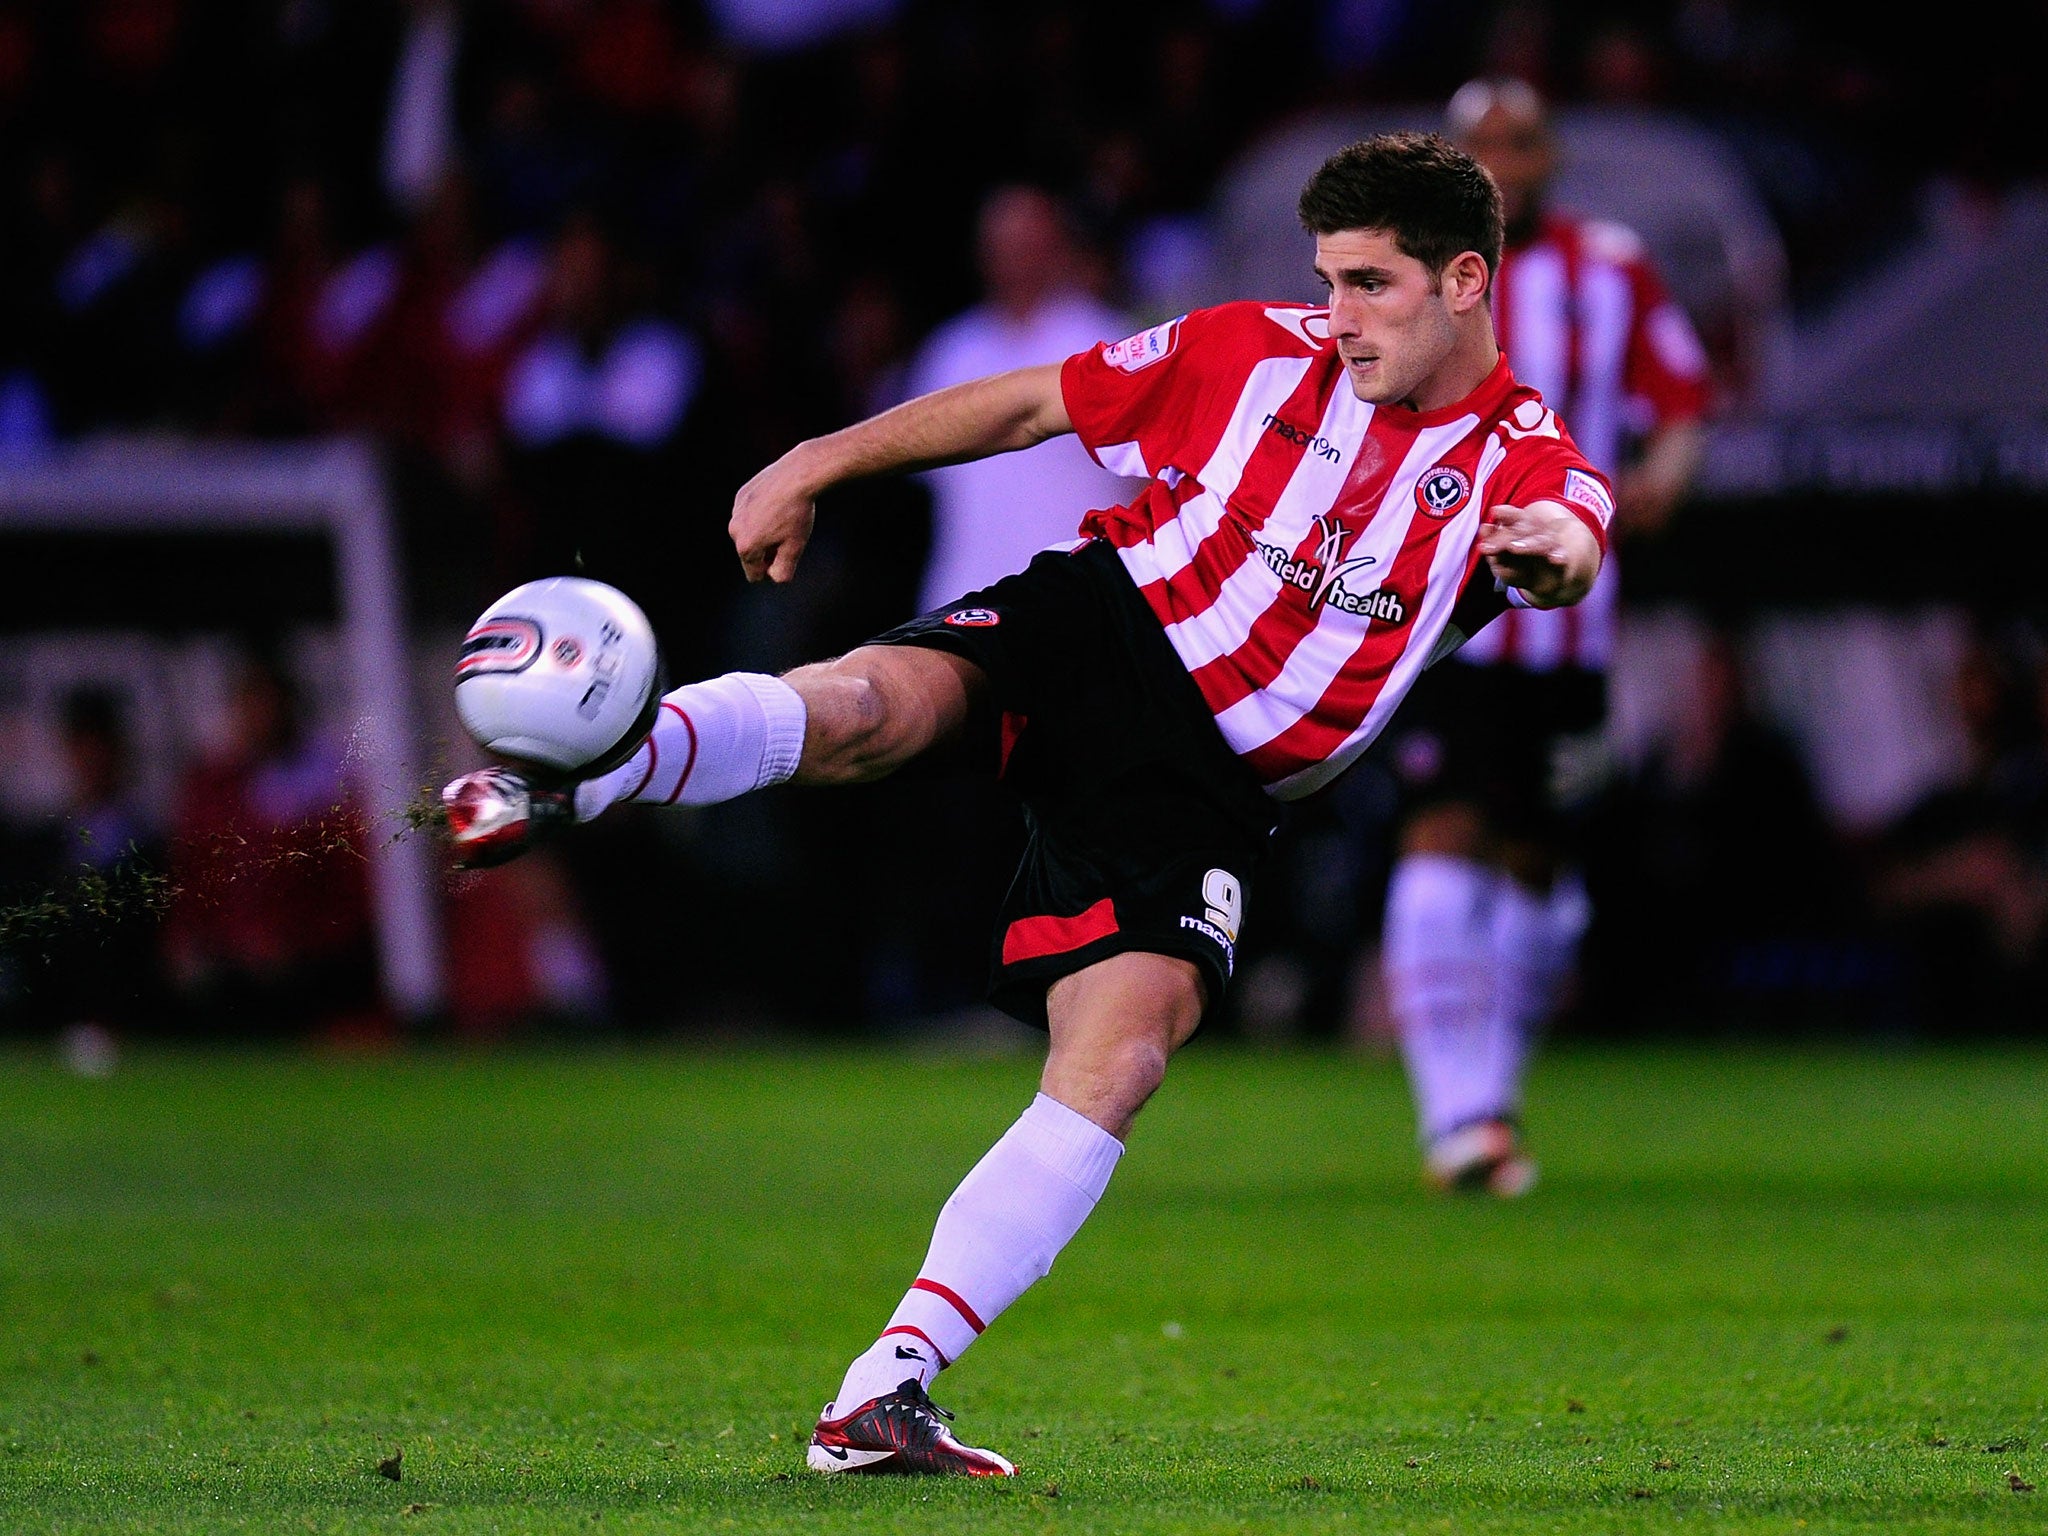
1543 549
773 514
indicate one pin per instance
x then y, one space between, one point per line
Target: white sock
710 742
1460 1036
996 1236
1536 942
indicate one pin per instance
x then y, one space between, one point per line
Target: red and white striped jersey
1584 318
1304 550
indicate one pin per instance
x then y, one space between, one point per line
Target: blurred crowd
579 267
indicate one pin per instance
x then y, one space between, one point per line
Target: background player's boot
904 1431
496 814
1483 1157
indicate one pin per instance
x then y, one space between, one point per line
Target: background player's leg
1113 1027
1537 932
845 721
1462 1034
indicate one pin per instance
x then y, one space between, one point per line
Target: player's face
1517 149
1391 324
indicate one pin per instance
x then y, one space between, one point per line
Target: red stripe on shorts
1012 733
1029 938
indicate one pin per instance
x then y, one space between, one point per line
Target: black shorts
1145 830
1526 747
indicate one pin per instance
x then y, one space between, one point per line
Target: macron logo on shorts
1222 911
974 618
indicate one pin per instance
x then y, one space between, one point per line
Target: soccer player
1483 913
1335 496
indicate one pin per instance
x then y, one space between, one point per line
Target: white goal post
336 489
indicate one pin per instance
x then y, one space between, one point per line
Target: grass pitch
1756 1291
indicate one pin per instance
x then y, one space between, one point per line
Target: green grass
610 1292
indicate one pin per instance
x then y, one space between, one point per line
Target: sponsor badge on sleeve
1143 349
1589 493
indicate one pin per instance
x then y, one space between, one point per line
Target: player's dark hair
1433 198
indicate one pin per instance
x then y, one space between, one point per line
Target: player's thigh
1113 1025
874 709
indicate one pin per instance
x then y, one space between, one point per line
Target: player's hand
1542 549
772 518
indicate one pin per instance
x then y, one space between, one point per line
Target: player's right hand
772 518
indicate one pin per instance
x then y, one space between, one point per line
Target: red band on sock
688 762
653 757
920 1333
951 1297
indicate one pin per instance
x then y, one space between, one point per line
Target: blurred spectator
604 367
420 132
593 408
520 954
1719 887
773 25
989 518
268 933
82 889
99 764
1962 877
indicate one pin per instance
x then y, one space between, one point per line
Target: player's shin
996 1236
711 741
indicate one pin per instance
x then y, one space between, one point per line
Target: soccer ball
562 673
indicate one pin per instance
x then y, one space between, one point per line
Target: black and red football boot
904 1431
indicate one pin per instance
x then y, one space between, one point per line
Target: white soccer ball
563 673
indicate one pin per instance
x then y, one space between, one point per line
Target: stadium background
256 250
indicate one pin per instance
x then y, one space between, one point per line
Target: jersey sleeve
1553 469
1161 399
1665 366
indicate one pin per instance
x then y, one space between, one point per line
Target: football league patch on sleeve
1143 349
1588 492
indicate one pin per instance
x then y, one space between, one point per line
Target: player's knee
1115 1028
848 731
1137 1063
865 732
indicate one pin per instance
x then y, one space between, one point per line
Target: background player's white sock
710 742
1536 942
1460 1036
997 1235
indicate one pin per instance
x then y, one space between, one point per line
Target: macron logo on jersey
1589 493
1143 349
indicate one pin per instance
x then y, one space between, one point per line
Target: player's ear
1466 280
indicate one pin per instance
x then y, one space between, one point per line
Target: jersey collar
1482 402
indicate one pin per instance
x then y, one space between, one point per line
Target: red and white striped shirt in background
1585 320
1304 550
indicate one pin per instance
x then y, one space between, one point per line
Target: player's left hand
772 518
1543 549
